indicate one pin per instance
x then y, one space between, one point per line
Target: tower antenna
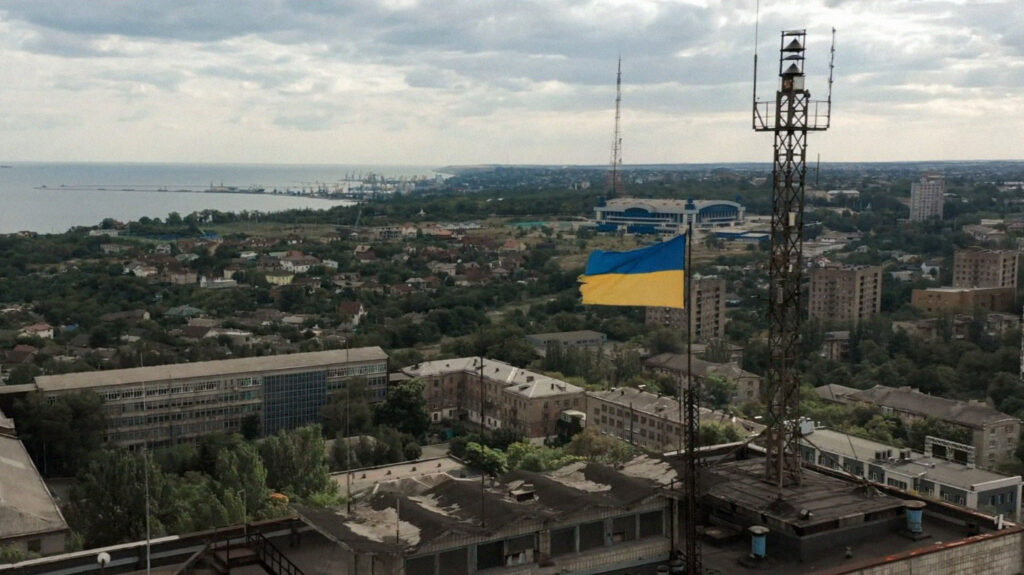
793 116
615 176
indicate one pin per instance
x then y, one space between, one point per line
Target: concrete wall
993 554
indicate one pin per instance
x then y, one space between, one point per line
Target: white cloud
463 81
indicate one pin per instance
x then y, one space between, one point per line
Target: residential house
351 313
43 330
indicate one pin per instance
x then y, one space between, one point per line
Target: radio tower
614 177
793 116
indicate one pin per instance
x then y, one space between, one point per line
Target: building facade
926 197
994 434
963 300
640 215
168 404
494 394
674 365
916 473
845 294
707 322
649 420
983 268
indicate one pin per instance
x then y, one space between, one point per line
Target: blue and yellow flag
650 277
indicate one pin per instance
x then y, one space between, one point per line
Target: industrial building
846 295
920 474
167 404
495 393
583 518
643 215
994 434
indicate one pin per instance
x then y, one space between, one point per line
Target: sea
53 197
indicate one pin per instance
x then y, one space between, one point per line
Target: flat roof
216 368
667 407
516 380
449 508
826 498
26 506
919 465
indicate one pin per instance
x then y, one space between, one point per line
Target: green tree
404 409
295 462
108 500
595 446
61 435
717 391
241 473
348 411
525 455
487 460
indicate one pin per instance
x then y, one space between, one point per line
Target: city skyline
461 82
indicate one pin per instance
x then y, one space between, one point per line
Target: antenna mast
792 116
615 176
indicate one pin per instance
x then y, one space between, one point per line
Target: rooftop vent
525 492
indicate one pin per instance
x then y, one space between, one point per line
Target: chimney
758 542
915 512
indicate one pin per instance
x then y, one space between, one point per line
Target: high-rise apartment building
845 294
708 319
983 268
926 197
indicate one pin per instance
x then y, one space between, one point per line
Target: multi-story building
649 420
919 474
642 215
581 339
926 197
495 393
676 366
963 300
707 322
983 268
167 404
845 294
994 434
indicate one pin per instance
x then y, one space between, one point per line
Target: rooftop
701 368
919 465
968 413
667 407
516 380
26 506
223 367
445 507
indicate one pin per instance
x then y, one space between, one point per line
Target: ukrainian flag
650 277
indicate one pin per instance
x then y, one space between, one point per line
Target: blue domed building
642 215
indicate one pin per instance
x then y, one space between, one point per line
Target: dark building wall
293 399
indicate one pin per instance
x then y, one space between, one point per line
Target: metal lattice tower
794 115
615 175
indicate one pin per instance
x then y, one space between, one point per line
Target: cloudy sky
434 82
